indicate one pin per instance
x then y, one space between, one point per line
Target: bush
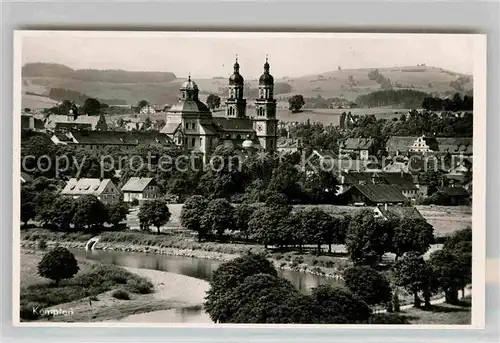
121 294
102 275
134 202
26 311
58 264
42 244
387 318
368 284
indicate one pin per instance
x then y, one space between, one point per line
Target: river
189 266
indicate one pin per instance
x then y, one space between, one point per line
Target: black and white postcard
249 178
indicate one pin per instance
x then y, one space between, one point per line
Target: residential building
140 188
31 122
360 148
403 181
103 189
374 194
401 145
98 140
288 145
25 178
61 122
387 212
457 195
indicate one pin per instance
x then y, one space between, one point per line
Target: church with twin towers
192 126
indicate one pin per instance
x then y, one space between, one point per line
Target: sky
205 55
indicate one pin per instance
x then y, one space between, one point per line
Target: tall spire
236 65
266 65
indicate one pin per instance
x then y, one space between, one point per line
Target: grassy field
442 314
447 219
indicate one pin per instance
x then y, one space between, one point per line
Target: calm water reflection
190 266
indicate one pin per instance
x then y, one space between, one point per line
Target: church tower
235 104
265 122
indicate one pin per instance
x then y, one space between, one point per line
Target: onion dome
266 79
236 78
189 85
247 144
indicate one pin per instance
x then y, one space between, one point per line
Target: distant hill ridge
94 75
119 86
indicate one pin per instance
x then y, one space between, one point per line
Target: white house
140 188
104 189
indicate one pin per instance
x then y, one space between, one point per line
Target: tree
243 213
218 217
63 213
265 226
264 298
90 212
432 178
296 102
335 232
412 235
291 230
28 205
285 180
58 264
457 238
154 212
367 238
415 275
213 101
91 107
321 187
227 277
449 274
142 103
368 284
339 306
147 123
192 213
117 212
319 224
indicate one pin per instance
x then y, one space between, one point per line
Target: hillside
163 87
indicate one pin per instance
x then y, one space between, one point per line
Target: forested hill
55 70
403 98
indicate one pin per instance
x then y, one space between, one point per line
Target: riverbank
170 292
298 263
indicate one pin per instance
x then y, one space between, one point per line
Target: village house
98 140
31 122
330 159
403 145
373 195
140 188
61 122
456 195
25 178
103 189
403 181
288 145
360 148
387 212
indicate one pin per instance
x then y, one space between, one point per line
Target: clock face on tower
259 127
